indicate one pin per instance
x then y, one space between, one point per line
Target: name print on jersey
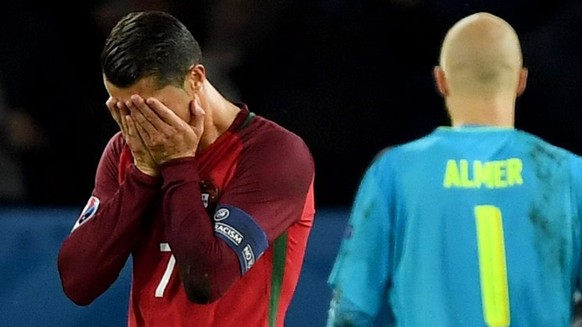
476 174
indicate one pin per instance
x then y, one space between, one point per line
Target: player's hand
117 114
165 134
141 156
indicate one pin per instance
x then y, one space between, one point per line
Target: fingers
153 115
111 104
134 140
142 158
124 113
118 111
132 133
141 124
167 116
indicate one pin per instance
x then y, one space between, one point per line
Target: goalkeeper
476 224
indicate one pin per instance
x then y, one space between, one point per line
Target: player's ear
441 81
196 77
522 81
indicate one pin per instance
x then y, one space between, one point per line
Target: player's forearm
92 256
208 267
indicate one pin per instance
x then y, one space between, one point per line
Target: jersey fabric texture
467 226
242 210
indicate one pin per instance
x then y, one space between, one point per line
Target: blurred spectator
12 187
41 121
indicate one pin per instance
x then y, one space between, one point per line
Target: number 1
492 265
165 247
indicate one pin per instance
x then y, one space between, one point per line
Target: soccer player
476 224
213 203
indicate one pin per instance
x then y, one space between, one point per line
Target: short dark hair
149 44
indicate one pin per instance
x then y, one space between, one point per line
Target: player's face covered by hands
158 125
141 155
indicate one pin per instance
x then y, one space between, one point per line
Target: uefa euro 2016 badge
88 212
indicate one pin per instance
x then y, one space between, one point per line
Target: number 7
165 247
492 265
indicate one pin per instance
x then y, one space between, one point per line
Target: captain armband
242 234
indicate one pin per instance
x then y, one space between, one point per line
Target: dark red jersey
218 240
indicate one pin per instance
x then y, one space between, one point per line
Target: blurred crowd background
349 76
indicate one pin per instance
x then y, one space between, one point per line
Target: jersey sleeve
576 173
207 267
104 234
273 183
361 272
264 197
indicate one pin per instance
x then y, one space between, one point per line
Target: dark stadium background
350 77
